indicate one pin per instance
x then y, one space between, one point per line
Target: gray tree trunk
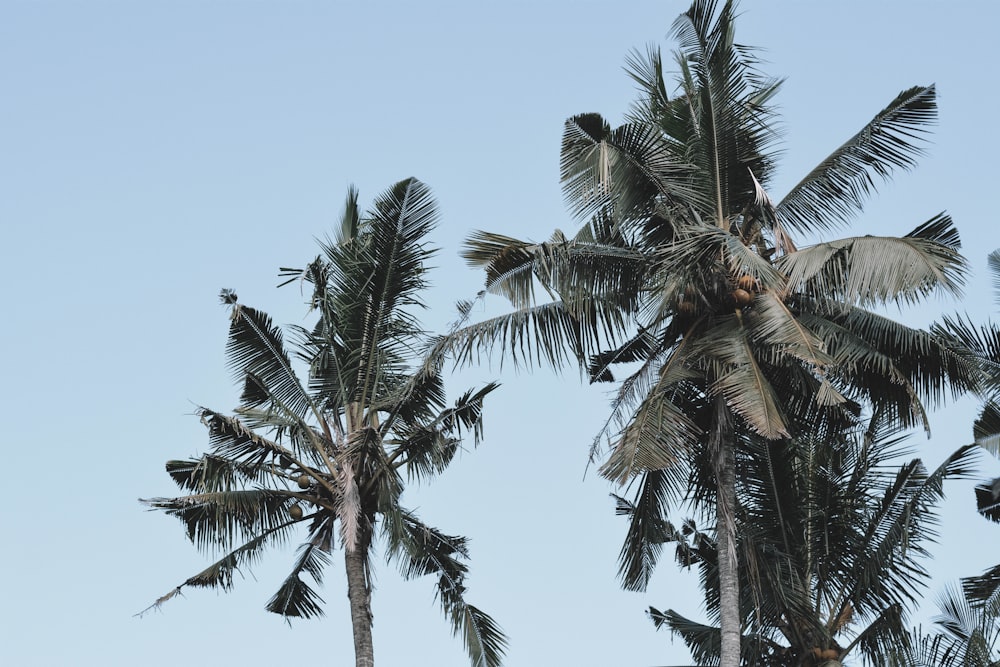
359 594
724 470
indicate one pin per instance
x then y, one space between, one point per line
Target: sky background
154 152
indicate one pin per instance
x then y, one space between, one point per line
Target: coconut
304 481
295 511
742 297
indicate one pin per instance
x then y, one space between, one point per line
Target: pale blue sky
154 152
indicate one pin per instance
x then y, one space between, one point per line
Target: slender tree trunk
724 470
359 594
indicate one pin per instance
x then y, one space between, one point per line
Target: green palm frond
970 631
895 368
983 588
580 271
296 598
546 334
484 640
256 348
628 167
220 573
648 529
221 518
421 550
986 428
213 473
772 323
426 448
839 186
237 441
885 637
739 378
350 219
659 436
702 640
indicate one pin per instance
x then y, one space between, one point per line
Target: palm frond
220 573
704 641
986 428
578 270
873 270
256 348
740 379
421 550
839 186
545 334
295 598
648 529
219 519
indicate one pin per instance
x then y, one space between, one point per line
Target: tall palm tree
687 272
830 554
328 455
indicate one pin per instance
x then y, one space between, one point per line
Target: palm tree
328 455
981 346
830 553
686 271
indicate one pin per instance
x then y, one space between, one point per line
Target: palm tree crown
329 455
834 535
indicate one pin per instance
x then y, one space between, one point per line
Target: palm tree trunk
359 594
724 470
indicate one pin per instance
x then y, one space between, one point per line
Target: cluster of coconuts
825 654
745 287
304 482
742 295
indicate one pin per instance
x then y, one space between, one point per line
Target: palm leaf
295 598
422 550
220 518
256 348
220 573
872 270
648 529
839 186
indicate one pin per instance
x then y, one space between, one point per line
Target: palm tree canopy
831 550
330 454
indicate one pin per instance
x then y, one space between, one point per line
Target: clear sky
154 152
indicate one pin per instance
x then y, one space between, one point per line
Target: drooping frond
704 641
421 550
234 440
838 187
220 573
220 519
773 324
739 378
874 270
296 598
545 334
648 529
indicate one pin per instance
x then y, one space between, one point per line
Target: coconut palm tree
686 271
981 346
830 555
327 456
